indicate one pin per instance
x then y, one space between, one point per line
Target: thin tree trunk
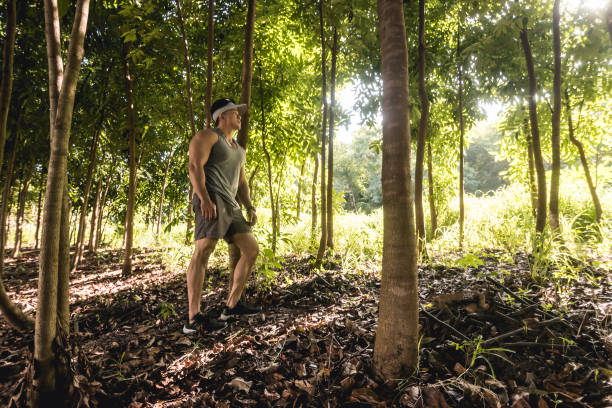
101 209
556 123
313 198
94 217
21 211
38 210
62 88
461 138
330 154
397 335
420 152
298 203
209 60
609 20
78 249
323 242
535 134
6 86
583 160
432 203
11 311
129 217
268 162
161 198
533 192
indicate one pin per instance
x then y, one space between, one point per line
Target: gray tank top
222 169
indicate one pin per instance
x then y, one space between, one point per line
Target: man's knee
204 248
252 252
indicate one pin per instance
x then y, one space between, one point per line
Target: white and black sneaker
204 322
241 308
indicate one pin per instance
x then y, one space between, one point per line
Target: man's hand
208 208
251 216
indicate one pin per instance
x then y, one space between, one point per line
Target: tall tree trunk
6 86
609 20
11 311
63 282
62 86
39 210
323 242
78 249
396 346
583 159
556 123
313 198
94 217
330 154
129 216
535 133
161 198
101 208
21 211
432 203
298 201
209 60
461 138
420 152
533 192
188 233
268 162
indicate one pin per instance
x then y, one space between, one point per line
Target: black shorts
229 220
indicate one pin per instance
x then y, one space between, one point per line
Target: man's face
233 119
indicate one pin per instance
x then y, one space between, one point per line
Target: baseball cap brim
241 109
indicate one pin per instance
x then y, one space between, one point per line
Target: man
216 171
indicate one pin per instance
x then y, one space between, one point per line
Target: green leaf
62 8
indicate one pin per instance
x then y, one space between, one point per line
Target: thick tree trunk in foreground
535 133
461 139
330 153
396 346
163 191
323 241
556 123
47 388
432 202
21 211
39 210
6 86
209 60
129 216
420 152
11 311
583 159
78 252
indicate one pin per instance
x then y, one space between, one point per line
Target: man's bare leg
248 254
196 272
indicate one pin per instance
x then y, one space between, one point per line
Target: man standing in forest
216 171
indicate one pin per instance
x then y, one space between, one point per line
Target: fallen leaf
239 384
365 394
272 396
305 386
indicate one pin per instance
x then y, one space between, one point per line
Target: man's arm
199 150
244 196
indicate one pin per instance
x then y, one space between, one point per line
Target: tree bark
323 241
609 20
313 198
94 217
396 346
583 160
101 208
330 154
535 133
432 203
21 210
39 209
269 164
298 201
11 311
461 139
78 251
556 123
420 152
161 198
62 88
129 216
209 60
247 73
533 191
6 86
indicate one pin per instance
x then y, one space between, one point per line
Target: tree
330 153
323 241
396 346
556 122
52 296
461 140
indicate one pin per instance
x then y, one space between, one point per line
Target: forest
427 186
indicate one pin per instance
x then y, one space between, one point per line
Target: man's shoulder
206 135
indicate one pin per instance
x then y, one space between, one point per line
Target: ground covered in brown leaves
491 336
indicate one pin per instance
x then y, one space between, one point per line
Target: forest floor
490 336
